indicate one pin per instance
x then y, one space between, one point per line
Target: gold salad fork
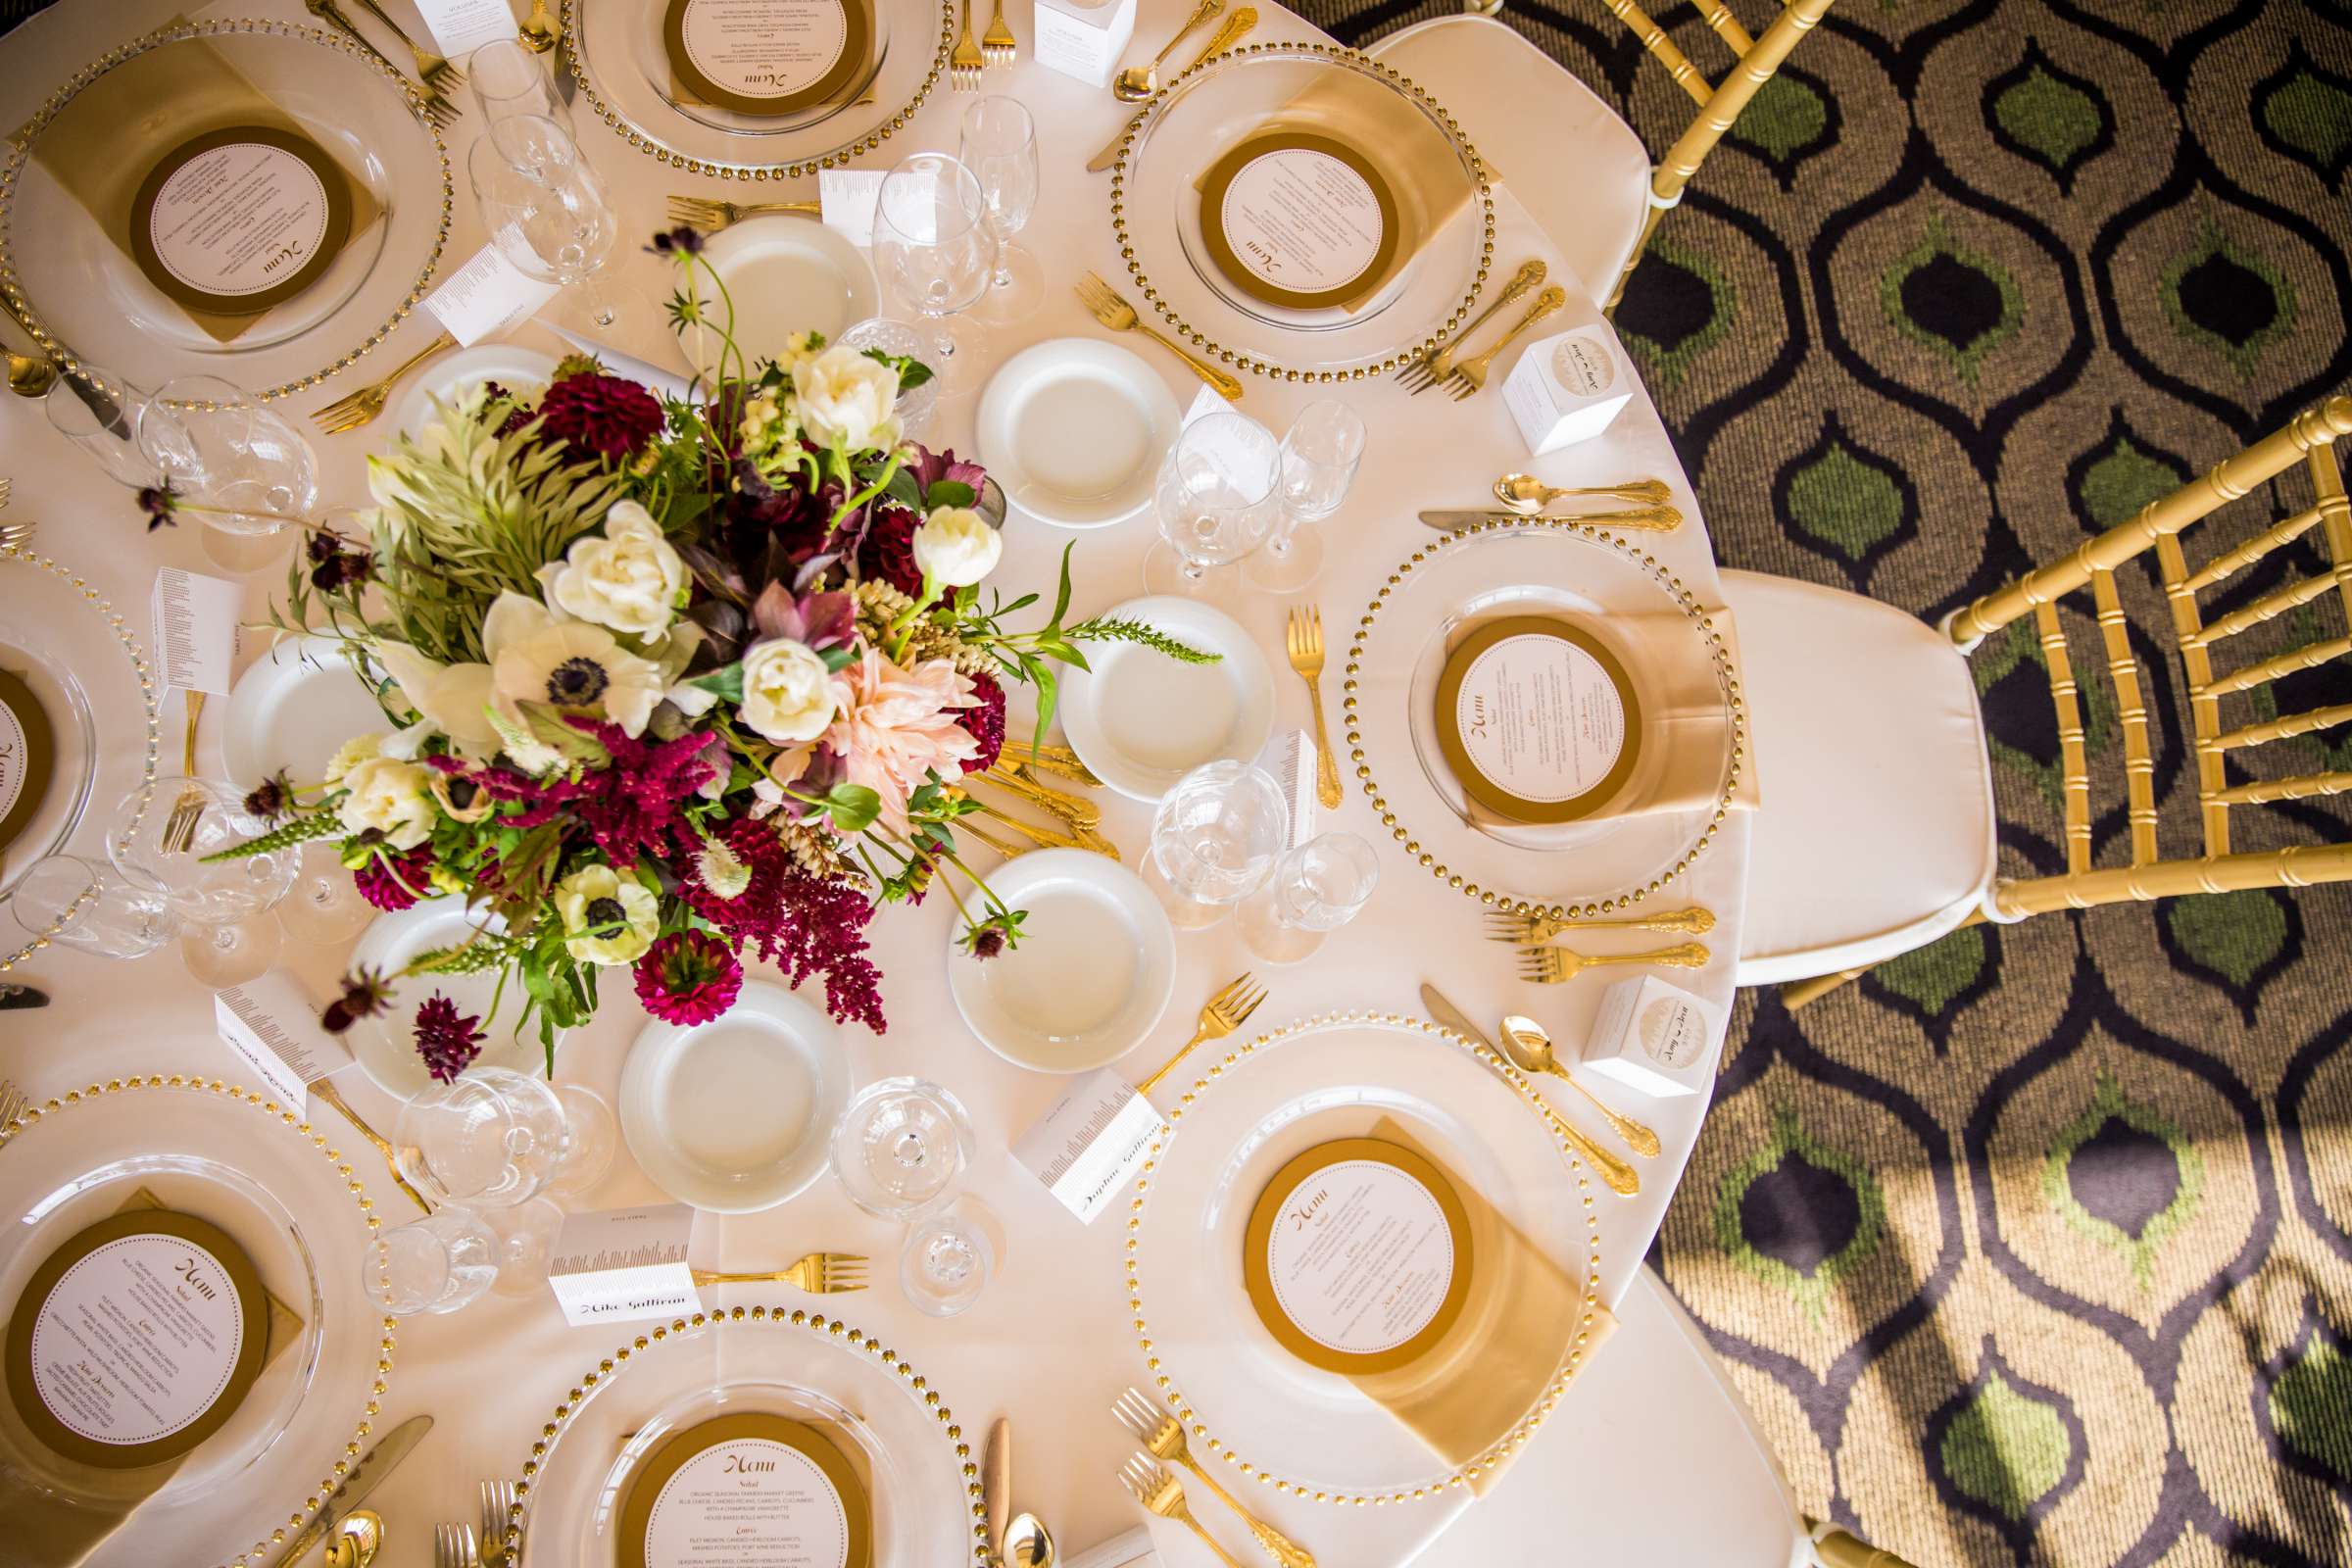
454 1546
179 828
966 64
1059 761
16 535
13 1103
355 409
817 1273
1426 367
1164 1494
1112 312
1304 643
434 70
1163 1436
710 214
498 1517
1555 967
1084 815
1043 838
998 44
439 110
1470 376
1526 930
1223 1013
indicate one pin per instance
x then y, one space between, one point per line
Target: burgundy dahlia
888 551
447 1042
598 416
983 721
395 882
688 977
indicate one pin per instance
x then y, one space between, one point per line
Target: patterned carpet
2034 1247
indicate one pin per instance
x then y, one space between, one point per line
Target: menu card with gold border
27 756
1538 720
748 1487
1298 218
768 57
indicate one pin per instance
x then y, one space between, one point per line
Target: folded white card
273 1026
1130 1551
460 25
1092 1143
487 297
196 631
847 198
621 1266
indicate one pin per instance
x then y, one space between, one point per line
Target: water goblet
1319 455
509 81
495 1137
438 1263
1315 890
239 466
1214 838
902 1146
999 147
325 905
105 423
1217 496
935 245
90 909
162 843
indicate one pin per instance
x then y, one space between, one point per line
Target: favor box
1084 39
1567 388
1655 1037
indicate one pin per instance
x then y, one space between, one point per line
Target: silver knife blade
1453 1018
668 383
364 1478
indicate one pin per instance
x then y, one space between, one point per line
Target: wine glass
1315 889
438 1263
1319 455
495 1137
90 909
105 423
934 243
325 905
546 209
1214 839
164 836
509 82
1217 496
902 1146
244 467
999 148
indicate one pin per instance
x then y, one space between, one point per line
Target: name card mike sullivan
624 1265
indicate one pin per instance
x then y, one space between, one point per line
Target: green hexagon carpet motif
1954 299
2227 298
2004 1448
2122 1174
2050 116
1799 1214
2304 112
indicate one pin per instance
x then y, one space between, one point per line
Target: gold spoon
1139 82
358 1537
1524 492
1028 1543
539 28
1530 1049
28 376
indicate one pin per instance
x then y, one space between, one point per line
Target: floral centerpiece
666 685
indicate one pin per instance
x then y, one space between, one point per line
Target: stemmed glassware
1315 889
90 909
902 1146
495 1137
935 245
1218 495
947 1261
1319 455
546 209
1214 838
105 424
245 466
227 937
325 905
509 81
999 148
438 1263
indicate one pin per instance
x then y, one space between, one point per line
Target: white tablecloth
1050 1343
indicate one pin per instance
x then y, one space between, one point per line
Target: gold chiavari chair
2219 686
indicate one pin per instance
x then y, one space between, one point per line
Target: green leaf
1061 595
903 489
550 729
911 373
853 807
950 493
724 683
837 657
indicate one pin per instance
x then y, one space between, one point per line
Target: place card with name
752 1489
196 630
621 1266
1538 720
460 26
137 1340
273 1027
488 297
846 199
1092 1143
1299 220
1358 1255
28 757
767 57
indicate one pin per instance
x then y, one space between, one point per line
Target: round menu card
24 756
1538 720
1299 219
750 1491
1357 1255
766 56
240 218
137 1340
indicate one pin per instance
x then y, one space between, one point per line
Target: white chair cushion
1875 830
1579 171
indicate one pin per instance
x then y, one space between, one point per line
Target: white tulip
846 400
396 799
956 547
787 692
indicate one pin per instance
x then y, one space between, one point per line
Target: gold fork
13 1103
1043 838
353 410
1163 1436
1082 815
1553 966
325 1093
966 64
1112 312
439 110
1426 367
539 29
435 70
710 214
1049 758
16 535
1222 1014
1525 930
1470 376
1003 847
998 44
179 828
817 1273
1164 1494
1304 640
498 1517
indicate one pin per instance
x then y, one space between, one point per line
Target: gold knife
1615 1173
359 1481
1640 519
996 1485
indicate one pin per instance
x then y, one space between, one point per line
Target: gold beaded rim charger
87 304
1245 1400
1346 99
1525 566
291 1195
915 1459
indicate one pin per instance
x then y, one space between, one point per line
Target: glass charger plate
1539 565
1427 168
256 1171
81 660
91 307
1248 1401
926 1506
615 52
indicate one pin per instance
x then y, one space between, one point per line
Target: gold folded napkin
66 1535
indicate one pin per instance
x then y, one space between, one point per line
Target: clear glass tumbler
90 909
1319 455
999 147
1214 838
495 1137
1218 495
935 246
902 1146
1315 889
946 1263
509 81
439 1263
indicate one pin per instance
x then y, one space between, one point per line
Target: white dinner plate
1090 976
784 276
1141 720
292 709
386 1044
1074 430
736 1116
523 372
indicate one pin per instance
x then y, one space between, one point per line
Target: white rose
629 580
608 918
351 754
395 798
845 399
787 692
956 547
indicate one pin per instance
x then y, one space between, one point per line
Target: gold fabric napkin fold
1522 1318
67 1535
102 145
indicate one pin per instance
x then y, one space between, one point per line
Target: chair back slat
2204 707
2131 710
1727 26
1653 38
2285 727
2262 791
2073 756
2296 866
2234 560
2276 603
2308 657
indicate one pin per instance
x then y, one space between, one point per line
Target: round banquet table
1050 1343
